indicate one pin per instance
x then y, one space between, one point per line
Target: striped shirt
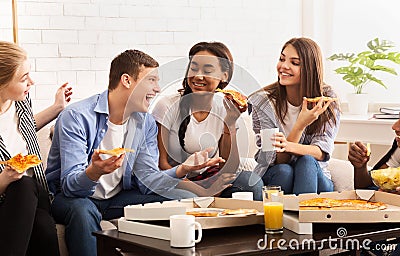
27 127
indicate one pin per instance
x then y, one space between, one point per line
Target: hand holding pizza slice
22 163
237 97
115 151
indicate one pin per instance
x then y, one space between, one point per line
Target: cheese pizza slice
115 151
340 204
22 163
316 99
239 98
239 212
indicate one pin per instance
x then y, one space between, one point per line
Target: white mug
183 231
265 137
243 195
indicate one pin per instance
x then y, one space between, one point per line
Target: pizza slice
239 212
22 163
239 98
316 99
368 149
204 212
115 151
320 202
340 204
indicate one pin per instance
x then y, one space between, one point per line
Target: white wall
341 26
75 40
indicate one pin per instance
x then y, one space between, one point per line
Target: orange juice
273 215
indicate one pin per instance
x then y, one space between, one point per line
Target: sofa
341 170
44 142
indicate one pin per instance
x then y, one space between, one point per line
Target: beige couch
341 171
44 142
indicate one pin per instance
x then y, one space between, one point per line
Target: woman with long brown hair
306 129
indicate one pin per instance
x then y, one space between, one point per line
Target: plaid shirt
264 116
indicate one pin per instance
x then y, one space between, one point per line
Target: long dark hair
226 61
311 84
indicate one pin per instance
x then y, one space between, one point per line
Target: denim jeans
82 216
245 181
303 176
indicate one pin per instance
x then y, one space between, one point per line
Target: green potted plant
361 68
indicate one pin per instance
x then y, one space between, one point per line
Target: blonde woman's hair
11 58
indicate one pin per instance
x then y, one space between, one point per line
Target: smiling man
87 185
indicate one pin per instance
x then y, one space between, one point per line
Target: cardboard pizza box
390 214
162 211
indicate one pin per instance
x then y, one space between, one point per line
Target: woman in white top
195 119
26 225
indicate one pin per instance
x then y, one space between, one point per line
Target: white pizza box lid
390 214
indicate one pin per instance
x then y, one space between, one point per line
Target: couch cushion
342 173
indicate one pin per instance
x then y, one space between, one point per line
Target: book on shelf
390 110
386 116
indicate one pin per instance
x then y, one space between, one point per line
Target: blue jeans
82 216
303 176
246 181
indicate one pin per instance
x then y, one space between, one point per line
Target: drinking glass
273 209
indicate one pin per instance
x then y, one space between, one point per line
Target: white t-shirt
110 184
11 135
290 118
394 160
199 135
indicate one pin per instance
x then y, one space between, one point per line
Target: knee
24 186
284 171
306 164
306 159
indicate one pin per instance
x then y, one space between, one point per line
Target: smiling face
205 74
396 129
19 86
289 67
143 90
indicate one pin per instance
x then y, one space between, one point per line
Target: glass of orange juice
273 209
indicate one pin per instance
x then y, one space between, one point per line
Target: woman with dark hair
195 119
307 130
27 227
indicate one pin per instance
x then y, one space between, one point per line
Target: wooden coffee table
244 240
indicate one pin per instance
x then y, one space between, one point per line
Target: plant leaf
384 69
376 80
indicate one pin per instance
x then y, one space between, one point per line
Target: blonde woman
26 225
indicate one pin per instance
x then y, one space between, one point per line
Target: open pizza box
390 214
152 219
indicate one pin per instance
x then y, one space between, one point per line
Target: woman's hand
358 155
308 116
198 161
233 111
280 142
9 175
63 96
